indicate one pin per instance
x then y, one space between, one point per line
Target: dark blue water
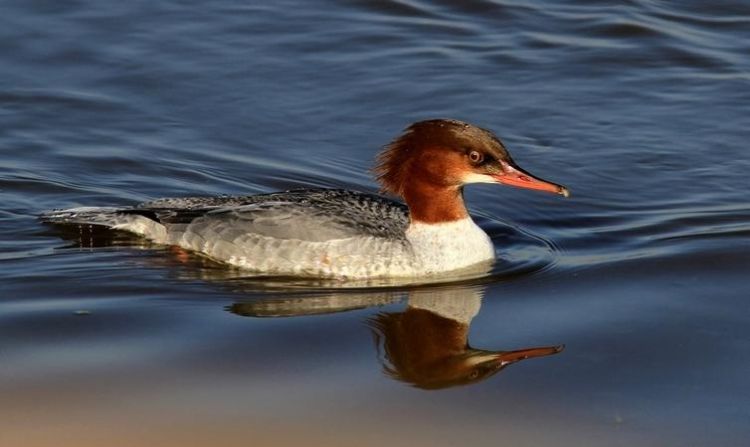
639 107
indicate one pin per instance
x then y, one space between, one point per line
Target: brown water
639 107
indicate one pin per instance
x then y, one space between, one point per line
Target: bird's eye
475 157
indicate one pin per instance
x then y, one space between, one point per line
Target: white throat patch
473 177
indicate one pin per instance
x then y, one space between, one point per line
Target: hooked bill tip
564 192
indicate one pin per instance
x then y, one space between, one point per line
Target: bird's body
333 233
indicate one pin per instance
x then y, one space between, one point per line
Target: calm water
641 108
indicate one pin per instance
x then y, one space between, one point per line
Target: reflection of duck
425 345
344 234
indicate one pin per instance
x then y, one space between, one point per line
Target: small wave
62 98
642 234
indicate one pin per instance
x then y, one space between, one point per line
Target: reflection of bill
426 345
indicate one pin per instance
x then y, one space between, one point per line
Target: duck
338 233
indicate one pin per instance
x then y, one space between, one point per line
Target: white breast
449 246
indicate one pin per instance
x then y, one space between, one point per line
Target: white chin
477 178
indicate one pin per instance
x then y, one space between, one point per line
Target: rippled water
639 107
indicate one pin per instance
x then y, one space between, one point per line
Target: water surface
639 107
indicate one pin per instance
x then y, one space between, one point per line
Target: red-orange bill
515 176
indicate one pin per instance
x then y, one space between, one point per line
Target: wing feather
309 215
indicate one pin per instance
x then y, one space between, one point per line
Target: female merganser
335 233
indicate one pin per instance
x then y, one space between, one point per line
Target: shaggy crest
394 162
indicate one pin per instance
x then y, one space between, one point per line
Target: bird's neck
433 204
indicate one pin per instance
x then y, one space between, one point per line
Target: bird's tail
134 220
110 217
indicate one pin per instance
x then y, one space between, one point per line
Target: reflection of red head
430 351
